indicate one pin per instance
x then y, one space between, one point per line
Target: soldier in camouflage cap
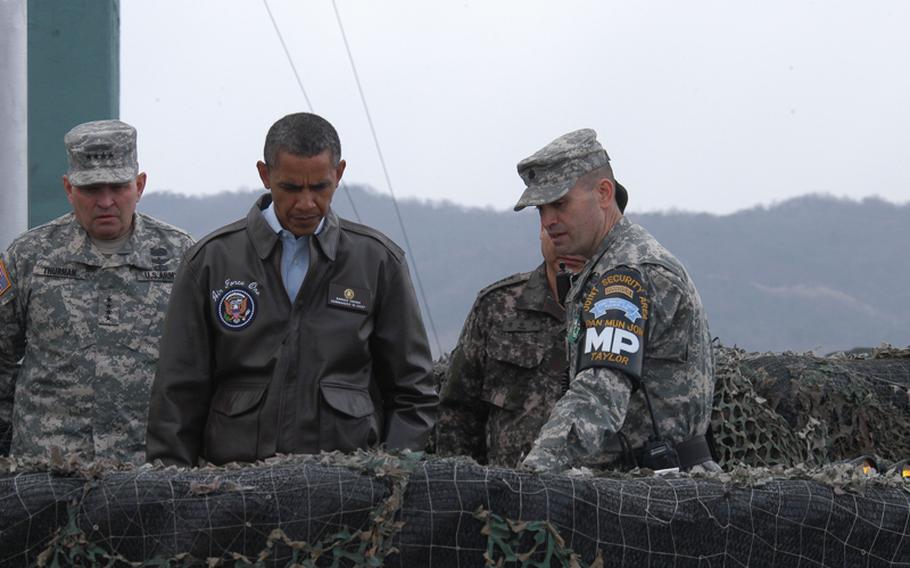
509 367
640 362
82 301
102 152
552 171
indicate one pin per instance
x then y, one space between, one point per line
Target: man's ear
605 191
263 173
339 170
68 188
140 184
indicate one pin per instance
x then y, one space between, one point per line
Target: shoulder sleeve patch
614 317
5 282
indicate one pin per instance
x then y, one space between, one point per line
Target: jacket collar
260 233
78 246
264 238
136 250
537 296
329 236
616 234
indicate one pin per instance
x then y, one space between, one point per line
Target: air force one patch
236 308
613 323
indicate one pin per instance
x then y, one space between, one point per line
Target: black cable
309 105
288 54
385 171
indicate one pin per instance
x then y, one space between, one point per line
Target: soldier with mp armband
640 363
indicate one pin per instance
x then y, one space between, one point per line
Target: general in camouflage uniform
636 328
82 301
508 369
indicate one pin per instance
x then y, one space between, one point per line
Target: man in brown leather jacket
291 331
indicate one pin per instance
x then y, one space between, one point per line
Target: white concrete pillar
13 120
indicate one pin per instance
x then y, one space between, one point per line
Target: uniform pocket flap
353 402
232 402
508 397
515 348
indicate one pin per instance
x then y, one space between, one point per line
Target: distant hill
812 273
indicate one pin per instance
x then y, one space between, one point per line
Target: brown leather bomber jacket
244 374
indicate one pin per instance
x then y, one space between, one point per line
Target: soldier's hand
540 460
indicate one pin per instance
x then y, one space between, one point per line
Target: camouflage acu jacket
507 372
86 330
678 368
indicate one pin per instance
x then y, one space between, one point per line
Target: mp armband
613 323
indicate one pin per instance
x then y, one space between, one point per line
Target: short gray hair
590 179
302 134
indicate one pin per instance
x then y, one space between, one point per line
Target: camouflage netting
790 408
796 408
373 509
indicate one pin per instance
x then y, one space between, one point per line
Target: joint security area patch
613 324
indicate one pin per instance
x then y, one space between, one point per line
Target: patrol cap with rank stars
102 151
553 170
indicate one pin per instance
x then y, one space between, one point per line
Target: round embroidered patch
236 308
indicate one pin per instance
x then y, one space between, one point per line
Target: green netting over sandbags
793 408
163 513
378 509
652 521
800 408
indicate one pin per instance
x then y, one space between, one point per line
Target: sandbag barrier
378 509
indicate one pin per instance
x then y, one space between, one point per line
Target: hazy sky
702 106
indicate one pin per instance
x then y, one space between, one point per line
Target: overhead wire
288 54
309 104
385 170
388 180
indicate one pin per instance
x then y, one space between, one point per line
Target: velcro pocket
509 397
516 347
352 402
236 401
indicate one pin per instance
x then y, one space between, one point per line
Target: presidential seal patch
236 308
613 324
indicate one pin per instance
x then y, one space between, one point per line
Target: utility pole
13 121
73 77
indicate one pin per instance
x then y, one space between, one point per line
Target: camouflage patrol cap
102 151
551 172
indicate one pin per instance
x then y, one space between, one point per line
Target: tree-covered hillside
814 273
